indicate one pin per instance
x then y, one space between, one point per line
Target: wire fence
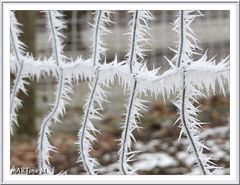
78 41
78 36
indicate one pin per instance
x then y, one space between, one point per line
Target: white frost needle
97 95
24 66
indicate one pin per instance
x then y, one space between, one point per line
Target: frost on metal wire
96 95
213 72
55 25
138 37
137 86
195 75
99 28
187 77
24 66
18 51
135 68
62 98
64 88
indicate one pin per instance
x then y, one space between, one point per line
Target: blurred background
161 153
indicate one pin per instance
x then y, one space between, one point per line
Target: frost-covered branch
96 95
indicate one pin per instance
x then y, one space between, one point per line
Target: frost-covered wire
139 30
192 79
62 98
138 37
188 123
97 95
19 84
187 43
213 72
55 24
99 28
185 78
18 47
24 66
79 69
86 138
64 88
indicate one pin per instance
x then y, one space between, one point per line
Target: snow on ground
148 161
171 157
